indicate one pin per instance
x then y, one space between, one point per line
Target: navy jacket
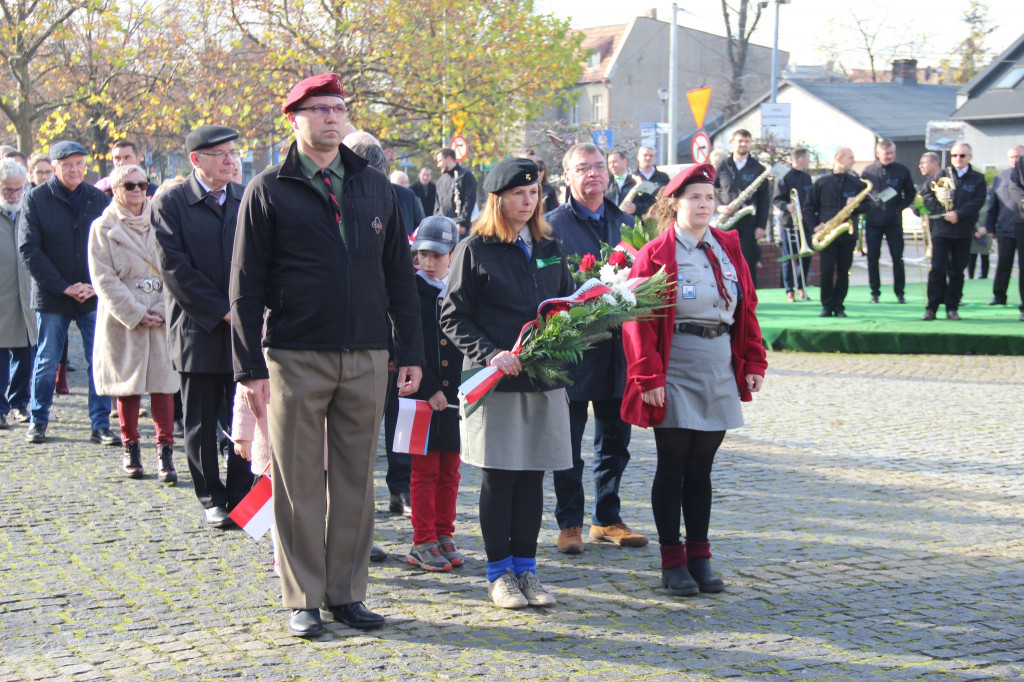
194 238
493 291
412 210
889 213
1004 214
53 241
968 198
730 181
601 374
442 370
292 272
616 195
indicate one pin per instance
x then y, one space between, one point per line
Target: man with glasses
1005 221
456 191
40 169
952 230
321 262
17 321
53 238
581 224
194 225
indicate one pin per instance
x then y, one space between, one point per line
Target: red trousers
433 490
162 407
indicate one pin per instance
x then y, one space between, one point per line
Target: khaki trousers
324 541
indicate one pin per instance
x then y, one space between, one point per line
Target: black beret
208 136
66 148
511 173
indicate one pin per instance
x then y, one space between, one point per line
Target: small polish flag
413 427
255 513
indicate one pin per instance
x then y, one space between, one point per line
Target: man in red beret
321 247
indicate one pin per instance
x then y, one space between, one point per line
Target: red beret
324 84
701 172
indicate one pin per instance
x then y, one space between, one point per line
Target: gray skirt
519 432
700 387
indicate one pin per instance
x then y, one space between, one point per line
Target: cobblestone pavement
867 521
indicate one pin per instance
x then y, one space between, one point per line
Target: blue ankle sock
496 569
522 565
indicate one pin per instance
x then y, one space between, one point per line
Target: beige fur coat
128 358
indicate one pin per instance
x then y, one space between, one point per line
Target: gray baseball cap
436 233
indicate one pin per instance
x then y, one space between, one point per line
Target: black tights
511 505
682 482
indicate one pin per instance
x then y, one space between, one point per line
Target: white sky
932 28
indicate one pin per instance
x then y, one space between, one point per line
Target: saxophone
943 189
727 222
839 223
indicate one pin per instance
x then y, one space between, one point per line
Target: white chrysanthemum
564 314
610 299
624 293
610 276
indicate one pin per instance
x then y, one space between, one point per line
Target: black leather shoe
840 313
952 315
679 582
874 299
218 518
901 299
377 554
401 503
306 623
19 414
825 313
104 437
356 615
994 301
928 316
36 433
707 581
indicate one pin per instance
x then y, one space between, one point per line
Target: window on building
574 113
1012 77
594 60
597 106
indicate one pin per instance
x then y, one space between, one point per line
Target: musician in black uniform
885 218
734 175
952 233
829 195
800 180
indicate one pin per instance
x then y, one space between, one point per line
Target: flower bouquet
566 327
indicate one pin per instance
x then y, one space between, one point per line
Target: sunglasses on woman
130 186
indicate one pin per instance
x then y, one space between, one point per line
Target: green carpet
889 327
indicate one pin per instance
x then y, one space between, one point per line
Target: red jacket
647 343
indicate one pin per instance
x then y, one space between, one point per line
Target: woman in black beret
498 277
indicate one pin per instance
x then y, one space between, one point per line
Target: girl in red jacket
689 369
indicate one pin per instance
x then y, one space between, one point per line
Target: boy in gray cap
435 477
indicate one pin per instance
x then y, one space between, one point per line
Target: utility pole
673 89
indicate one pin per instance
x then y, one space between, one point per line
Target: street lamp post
775 47
663 96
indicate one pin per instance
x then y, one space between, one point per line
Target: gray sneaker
534 592
428 557
504 592
449 551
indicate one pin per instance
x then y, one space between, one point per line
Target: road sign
604 138
775 122
940 136
700 148
461 148
698 100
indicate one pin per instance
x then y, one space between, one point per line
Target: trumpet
840 223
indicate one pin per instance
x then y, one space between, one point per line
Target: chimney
651 14
904 71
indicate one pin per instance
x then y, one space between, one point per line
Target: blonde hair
118 175
167 184
492 223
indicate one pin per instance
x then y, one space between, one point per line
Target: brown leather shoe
570 540
618 534
790 296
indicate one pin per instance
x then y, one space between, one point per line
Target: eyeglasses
8 192
585 168
131 186
220 156
959 156
323 109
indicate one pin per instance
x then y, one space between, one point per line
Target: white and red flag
412 431
255 513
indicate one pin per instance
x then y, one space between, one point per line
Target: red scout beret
324 84
702 172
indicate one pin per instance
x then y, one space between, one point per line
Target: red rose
618 259
587 262
553 309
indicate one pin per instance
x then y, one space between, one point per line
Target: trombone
797 243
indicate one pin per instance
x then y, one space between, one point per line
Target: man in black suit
619 181
646 170
194 223
426 190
